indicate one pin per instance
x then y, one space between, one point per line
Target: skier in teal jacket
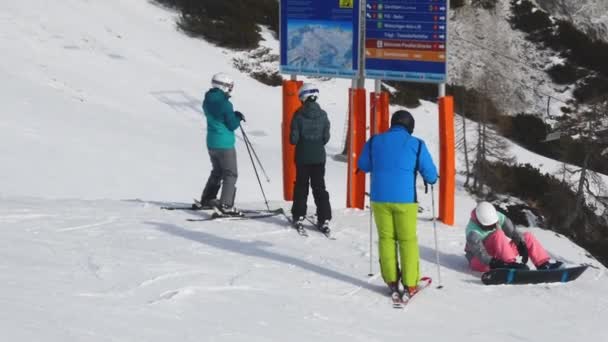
222 121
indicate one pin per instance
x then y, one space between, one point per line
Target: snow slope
101 107
75 270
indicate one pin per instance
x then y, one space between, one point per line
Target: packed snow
101 126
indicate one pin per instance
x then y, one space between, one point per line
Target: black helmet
403 118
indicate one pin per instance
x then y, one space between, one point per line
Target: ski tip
427 279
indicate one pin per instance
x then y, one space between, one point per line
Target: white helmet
308 90
486 213
223 82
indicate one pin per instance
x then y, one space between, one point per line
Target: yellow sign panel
346 3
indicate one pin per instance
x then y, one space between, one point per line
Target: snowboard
515 276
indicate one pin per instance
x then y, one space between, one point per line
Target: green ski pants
396 223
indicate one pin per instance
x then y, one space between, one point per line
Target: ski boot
299 226
205 204
227 211
323 227
395 295
408 293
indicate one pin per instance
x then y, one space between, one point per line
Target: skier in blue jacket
222 121
394 159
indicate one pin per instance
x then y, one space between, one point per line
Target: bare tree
490 147
461 145
591 130
461 132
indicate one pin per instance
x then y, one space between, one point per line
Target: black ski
247 215
186 208
196 206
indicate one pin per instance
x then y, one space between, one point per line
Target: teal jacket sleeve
230 119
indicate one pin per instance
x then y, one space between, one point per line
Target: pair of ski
398 300
304 232
246 214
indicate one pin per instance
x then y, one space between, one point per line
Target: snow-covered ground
101 126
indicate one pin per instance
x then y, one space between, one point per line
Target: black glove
497 263
523 251
240 116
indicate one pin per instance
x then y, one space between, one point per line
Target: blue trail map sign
406 40
320 37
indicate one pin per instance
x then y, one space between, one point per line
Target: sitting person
494 242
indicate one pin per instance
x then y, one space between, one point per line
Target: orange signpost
291 103
378 112
374 113
355 196
447 160
384 114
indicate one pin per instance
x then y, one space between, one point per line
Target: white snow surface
101 126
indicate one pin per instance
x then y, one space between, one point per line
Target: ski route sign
320 37
406 40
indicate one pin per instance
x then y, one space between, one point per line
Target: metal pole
442 90
435 233
371 250
361 79
377 87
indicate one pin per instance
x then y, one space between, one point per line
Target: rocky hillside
590 16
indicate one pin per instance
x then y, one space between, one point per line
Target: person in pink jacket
494 242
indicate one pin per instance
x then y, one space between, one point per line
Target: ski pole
255 169
371 273
371 214
435 233
248 142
